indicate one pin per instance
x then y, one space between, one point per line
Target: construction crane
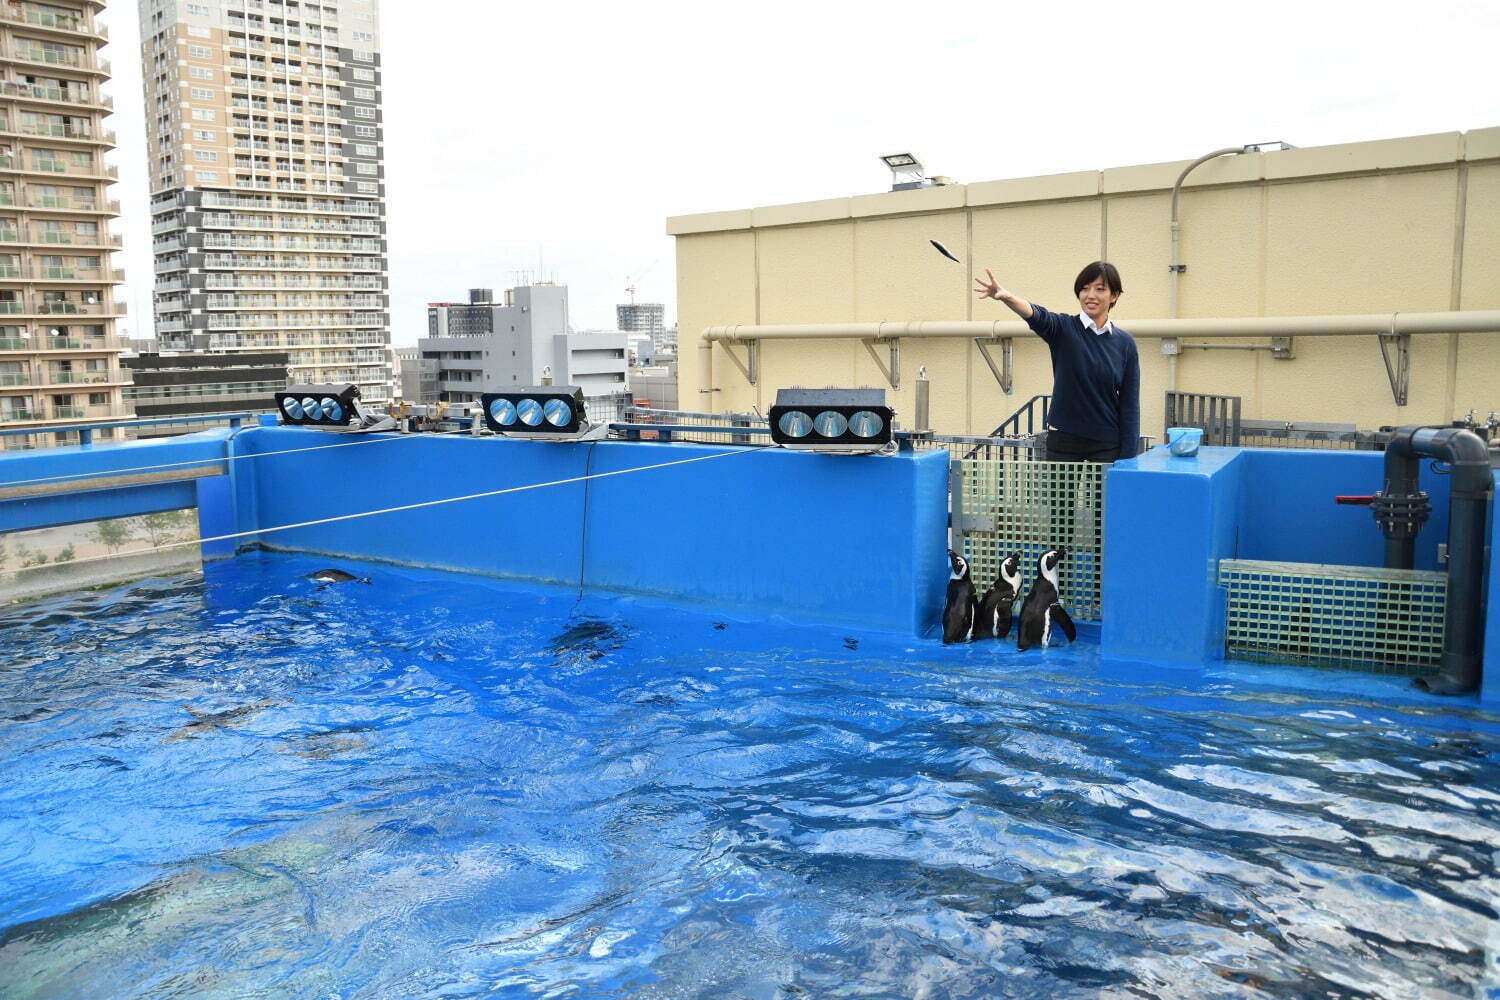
630 282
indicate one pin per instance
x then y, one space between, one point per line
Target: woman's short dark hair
1099 269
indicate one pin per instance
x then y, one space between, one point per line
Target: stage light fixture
832 421
333 407
540 412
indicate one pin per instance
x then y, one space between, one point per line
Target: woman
1095 414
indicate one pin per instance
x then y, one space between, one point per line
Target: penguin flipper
1002 623
1061 620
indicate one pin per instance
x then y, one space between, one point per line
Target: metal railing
1217 416
86 432
1029 419
701 422
1288 434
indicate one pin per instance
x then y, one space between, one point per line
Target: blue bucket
1184 441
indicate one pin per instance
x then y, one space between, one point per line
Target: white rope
105 473
409 506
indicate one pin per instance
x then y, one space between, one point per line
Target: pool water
436 785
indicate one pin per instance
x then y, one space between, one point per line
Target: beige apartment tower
264 135
59 355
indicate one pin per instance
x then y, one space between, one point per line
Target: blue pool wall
165 458
853 541
847 541
1169 521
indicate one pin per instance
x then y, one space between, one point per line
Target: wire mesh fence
1365 618
1006 505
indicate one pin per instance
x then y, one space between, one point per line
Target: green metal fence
1005 505
1366 618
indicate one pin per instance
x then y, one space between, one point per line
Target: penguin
1041 610
959 611
325 577
998 605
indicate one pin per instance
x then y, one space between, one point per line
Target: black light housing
334 405
832 421
541 412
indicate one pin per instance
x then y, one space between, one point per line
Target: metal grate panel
1002 506
1387 620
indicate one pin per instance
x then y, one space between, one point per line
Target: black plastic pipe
1472 482
1400 507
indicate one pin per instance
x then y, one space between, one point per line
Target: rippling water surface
442 786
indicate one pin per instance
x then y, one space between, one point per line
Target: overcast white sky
557 138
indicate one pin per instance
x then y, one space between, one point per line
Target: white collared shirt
1088 324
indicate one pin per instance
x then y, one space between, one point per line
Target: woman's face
1097 300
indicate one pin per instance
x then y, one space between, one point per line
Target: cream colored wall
1402 225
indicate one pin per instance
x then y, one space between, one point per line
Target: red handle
1355 501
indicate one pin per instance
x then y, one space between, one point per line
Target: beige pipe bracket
892 372
1005 372
1397 367
750 367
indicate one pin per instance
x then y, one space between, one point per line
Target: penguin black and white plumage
1041 611
961 607
997 607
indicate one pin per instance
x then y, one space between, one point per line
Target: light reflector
546 412
319 405
835 421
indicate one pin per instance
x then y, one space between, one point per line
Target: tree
160 528
112 534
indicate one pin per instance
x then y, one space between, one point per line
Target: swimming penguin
327 576
997 607
959 611
1041 610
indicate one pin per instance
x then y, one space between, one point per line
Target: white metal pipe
1462 321
1175 266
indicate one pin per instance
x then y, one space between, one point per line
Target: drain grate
1387 620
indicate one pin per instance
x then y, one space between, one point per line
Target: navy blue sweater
1096 380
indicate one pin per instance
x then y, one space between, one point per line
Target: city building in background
268 203
525 337
59 354
173 384
459 319
416 376
643 317
655 386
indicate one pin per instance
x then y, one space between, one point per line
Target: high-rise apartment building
641 317
59 356
268 205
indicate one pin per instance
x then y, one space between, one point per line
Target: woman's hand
990 289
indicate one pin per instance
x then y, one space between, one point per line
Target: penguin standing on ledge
960 610
1042 610
997 607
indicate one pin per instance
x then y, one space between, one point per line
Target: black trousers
1065 447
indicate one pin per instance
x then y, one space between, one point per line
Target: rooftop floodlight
540 412
832 421
1271 146
906 171
333 407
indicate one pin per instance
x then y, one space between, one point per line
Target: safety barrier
1006 505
